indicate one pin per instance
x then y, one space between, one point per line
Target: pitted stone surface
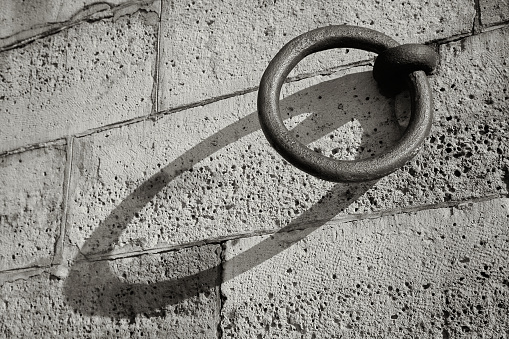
88 76
430 274
494 11
210 49
30 206
467 152
152 296
209 172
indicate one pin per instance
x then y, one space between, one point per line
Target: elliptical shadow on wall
94 289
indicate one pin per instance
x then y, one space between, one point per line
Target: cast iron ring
319 165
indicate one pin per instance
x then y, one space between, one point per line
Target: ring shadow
92 288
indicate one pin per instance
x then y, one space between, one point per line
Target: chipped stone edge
93 12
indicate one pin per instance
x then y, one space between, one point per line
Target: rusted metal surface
312 162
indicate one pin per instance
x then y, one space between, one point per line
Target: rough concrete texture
208 172
210 49
494 11
170 295
30 206
88 76
431 274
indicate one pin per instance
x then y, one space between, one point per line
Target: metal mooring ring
312 162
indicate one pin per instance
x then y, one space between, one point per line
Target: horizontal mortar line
332 70
204 102
23 42
493 27
170 248
111 126
296 78
27 269
299 227
402 210
158 115
453 38
48 29
57 142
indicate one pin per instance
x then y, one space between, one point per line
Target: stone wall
139 197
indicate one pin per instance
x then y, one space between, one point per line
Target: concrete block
90 75
170 295
436 273
210 49
494 11
31 188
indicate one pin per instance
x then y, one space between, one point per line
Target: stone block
210 49
88 76
494 11
208 172
31 189
170 295
436 273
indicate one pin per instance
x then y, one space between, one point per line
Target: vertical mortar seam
155 104
477 25
59 244
222 297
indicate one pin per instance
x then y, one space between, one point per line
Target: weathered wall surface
139 198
